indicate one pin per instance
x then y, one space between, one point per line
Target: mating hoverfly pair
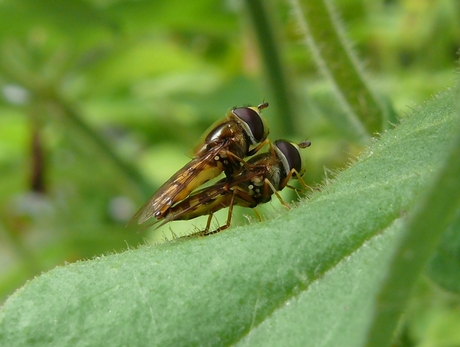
242 133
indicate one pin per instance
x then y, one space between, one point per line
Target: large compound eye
289 155
253 122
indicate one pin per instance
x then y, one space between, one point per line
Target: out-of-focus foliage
101 100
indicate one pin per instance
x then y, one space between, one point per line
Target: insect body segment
264 175
241 133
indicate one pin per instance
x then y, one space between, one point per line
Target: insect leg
289 176
294 188
243 163
229 218
269 184
259 147
208 225
259 217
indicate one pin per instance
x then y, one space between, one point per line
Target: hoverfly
240 134
264 175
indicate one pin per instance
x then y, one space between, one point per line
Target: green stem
271 56
324 36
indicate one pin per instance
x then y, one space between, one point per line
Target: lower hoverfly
240 134
264 175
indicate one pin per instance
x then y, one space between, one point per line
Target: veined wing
216 197
180 185
207 201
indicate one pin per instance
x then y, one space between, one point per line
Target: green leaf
308 277
433 214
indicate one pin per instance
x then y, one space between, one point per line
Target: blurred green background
101 100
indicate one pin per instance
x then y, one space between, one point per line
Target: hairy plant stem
331 51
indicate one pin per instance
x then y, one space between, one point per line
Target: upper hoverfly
264 175
240 134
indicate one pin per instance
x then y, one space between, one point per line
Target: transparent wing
180 185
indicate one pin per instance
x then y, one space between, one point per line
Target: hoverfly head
290 155
253 123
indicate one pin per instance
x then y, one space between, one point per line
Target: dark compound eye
291 154
253 121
